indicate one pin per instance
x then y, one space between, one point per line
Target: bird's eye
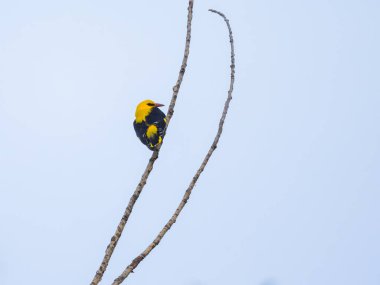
150 104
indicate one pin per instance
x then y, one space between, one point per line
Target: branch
187 194
115 238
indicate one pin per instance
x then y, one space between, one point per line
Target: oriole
149 123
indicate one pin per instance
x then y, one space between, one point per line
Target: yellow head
144 108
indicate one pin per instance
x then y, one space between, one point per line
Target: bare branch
115 238
187 194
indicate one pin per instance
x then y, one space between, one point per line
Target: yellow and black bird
150 123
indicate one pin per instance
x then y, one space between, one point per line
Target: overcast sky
291 195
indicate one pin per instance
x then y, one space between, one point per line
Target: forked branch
135 262
115 238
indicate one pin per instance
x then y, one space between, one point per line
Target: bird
149 123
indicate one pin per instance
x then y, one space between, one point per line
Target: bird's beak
158 105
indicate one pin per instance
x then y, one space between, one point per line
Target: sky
291 194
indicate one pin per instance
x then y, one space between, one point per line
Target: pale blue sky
291 196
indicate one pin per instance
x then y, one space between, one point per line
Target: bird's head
144 108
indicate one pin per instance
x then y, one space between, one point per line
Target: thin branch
115 238
187 194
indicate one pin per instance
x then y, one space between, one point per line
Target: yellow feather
151 131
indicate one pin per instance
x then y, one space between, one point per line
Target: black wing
157 117
140 129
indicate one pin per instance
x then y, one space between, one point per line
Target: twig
115 238
187 194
